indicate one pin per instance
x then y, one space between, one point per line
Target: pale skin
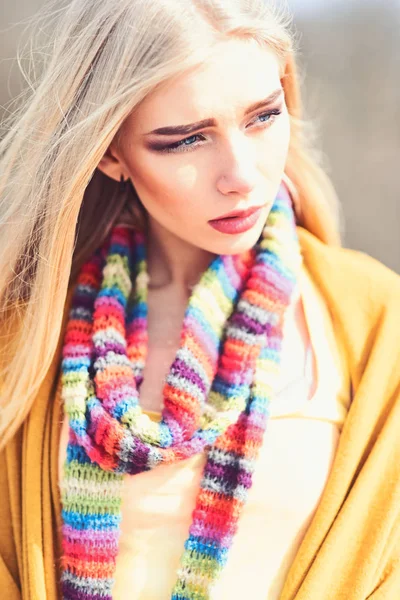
234 163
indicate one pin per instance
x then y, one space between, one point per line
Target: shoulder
352 277
363 299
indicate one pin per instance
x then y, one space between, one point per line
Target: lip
238 221
237 213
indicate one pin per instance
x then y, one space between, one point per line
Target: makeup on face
262 120
212 142
239 223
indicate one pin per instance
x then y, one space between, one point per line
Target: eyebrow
191 127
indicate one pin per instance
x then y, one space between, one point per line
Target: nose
238 173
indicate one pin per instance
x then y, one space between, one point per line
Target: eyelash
180 146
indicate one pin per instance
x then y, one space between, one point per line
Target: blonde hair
97 61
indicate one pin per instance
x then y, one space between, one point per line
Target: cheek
185 180
285 133
165 187
175 187
277 143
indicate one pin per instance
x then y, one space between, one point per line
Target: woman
200 391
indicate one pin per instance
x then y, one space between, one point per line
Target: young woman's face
234 161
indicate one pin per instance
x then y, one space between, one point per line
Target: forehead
237 74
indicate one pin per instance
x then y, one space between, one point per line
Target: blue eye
272 114
185 142
188 143
264 115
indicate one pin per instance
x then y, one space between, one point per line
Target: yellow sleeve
8 586
9 579
388 573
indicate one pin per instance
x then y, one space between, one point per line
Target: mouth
237 214
237 221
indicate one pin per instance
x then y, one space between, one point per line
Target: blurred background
350 61
349 54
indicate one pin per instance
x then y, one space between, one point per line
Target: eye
261 121
269 116
180 146
185 142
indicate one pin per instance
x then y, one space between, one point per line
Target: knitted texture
215 397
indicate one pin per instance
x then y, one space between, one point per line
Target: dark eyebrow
191 127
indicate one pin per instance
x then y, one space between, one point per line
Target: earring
123 184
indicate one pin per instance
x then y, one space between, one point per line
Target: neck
171 261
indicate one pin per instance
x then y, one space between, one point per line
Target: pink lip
238 213
237 221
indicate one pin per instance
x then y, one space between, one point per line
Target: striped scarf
215 397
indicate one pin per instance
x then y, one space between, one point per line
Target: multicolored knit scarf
216 398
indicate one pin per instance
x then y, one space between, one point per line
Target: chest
164 331
290 476
287 485
157 509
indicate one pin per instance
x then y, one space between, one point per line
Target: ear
111 165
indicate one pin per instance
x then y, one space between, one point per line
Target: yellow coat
351 550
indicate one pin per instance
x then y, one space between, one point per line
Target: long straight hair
94 62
